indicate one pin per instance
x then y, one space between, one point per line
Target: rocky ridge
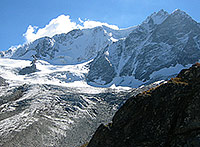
167 115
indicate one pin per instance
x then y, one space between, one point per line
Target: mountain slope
53 106
47 115
77 46
162 41
52 115
164 116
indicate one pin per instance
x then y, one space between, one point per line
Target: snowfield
61 75
46 74
53 106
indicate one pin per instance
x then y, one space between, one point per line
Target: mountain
53 106
157 49
52 100
75 47
33 114
49 115
167 115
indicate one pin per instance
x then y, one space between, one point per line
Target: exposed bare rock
168 115
2 81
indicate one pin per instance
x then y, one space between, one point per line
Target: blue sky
17 15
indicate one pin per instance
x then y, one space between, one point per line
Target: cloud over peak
61 24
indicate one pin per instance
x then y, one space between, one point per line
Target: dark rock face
2 81
12 95
28 70
42 47
168 115
100 64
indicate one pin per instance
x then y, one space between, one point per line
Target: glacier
84 76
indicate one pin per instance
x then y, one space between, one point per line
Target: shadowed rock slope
2 81
168 115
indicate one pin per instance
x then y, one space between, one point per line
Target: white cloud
92 24
30 33
61 24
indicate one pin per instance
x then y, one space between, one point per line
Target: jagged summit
179 11
160 16
179 14
157 17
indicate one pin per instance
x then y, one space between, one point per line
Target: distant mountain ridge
75 47
156 49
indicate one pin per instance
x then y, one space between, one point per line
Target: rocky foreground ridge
168 115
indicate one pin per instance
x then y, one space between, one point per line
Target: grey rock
28 70
105 76
2 82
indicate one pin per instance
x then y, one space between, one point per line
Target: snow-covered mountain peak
66 36
179 11
180 14
156 49
61 86
123 56
76 46
162 12
157 17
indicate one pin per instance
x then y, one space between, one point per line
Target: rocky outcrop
2 81
12 94
168 115
28 70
